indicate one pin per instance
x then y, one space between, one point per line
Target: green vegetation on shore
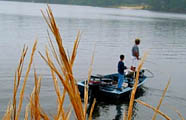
101 3
168 5
157 5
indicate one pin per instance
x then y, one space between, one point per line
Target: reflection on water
113 32
119 106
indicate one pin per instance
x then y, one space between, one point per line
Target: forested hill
160 5
101 3
168 5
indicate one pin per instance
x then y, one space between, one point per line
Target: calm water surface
113 32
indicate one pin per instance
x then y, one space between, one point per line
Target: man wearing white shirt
135 54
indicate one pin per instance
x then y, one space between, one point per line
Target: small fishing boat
105 86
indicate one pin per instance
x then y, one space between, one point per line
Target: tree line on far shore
168 5
159 5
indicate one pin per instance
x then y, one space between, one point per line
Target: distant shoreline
126 6
137 7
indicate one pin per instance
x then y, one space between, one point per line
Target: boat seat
96 76
106 79
101 78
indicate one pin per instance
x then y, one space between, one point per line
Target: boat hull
110 91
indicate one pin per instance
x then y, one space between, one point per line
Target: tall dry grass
63 75
33 109
67 79
12 111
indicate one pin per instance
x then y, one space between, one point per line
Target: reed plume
36 112
12 110
25 80
66 74
8 114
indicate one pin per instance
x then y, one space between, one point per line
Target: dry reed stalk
33 102
92 61
51 65
53 27
44 116
36 112
26 112
62 98
60 110
54 52
63 56
91 110
66 84
85 98
68 115
39 113
161 100
68 112
24 82
8 114
31 107
77 105
36 98
67 78
17 78
56 86
135 87
125 116
86 84
154 109
39 84
74 52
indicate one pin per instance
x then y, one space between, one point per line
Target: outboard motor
130 76
141 73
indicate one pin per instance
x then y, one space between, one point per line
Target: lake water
113 32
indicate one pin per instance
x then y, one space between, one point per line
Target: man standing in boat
121 68
135 54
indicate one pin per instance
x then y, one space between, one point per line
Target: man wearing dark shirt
121 68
